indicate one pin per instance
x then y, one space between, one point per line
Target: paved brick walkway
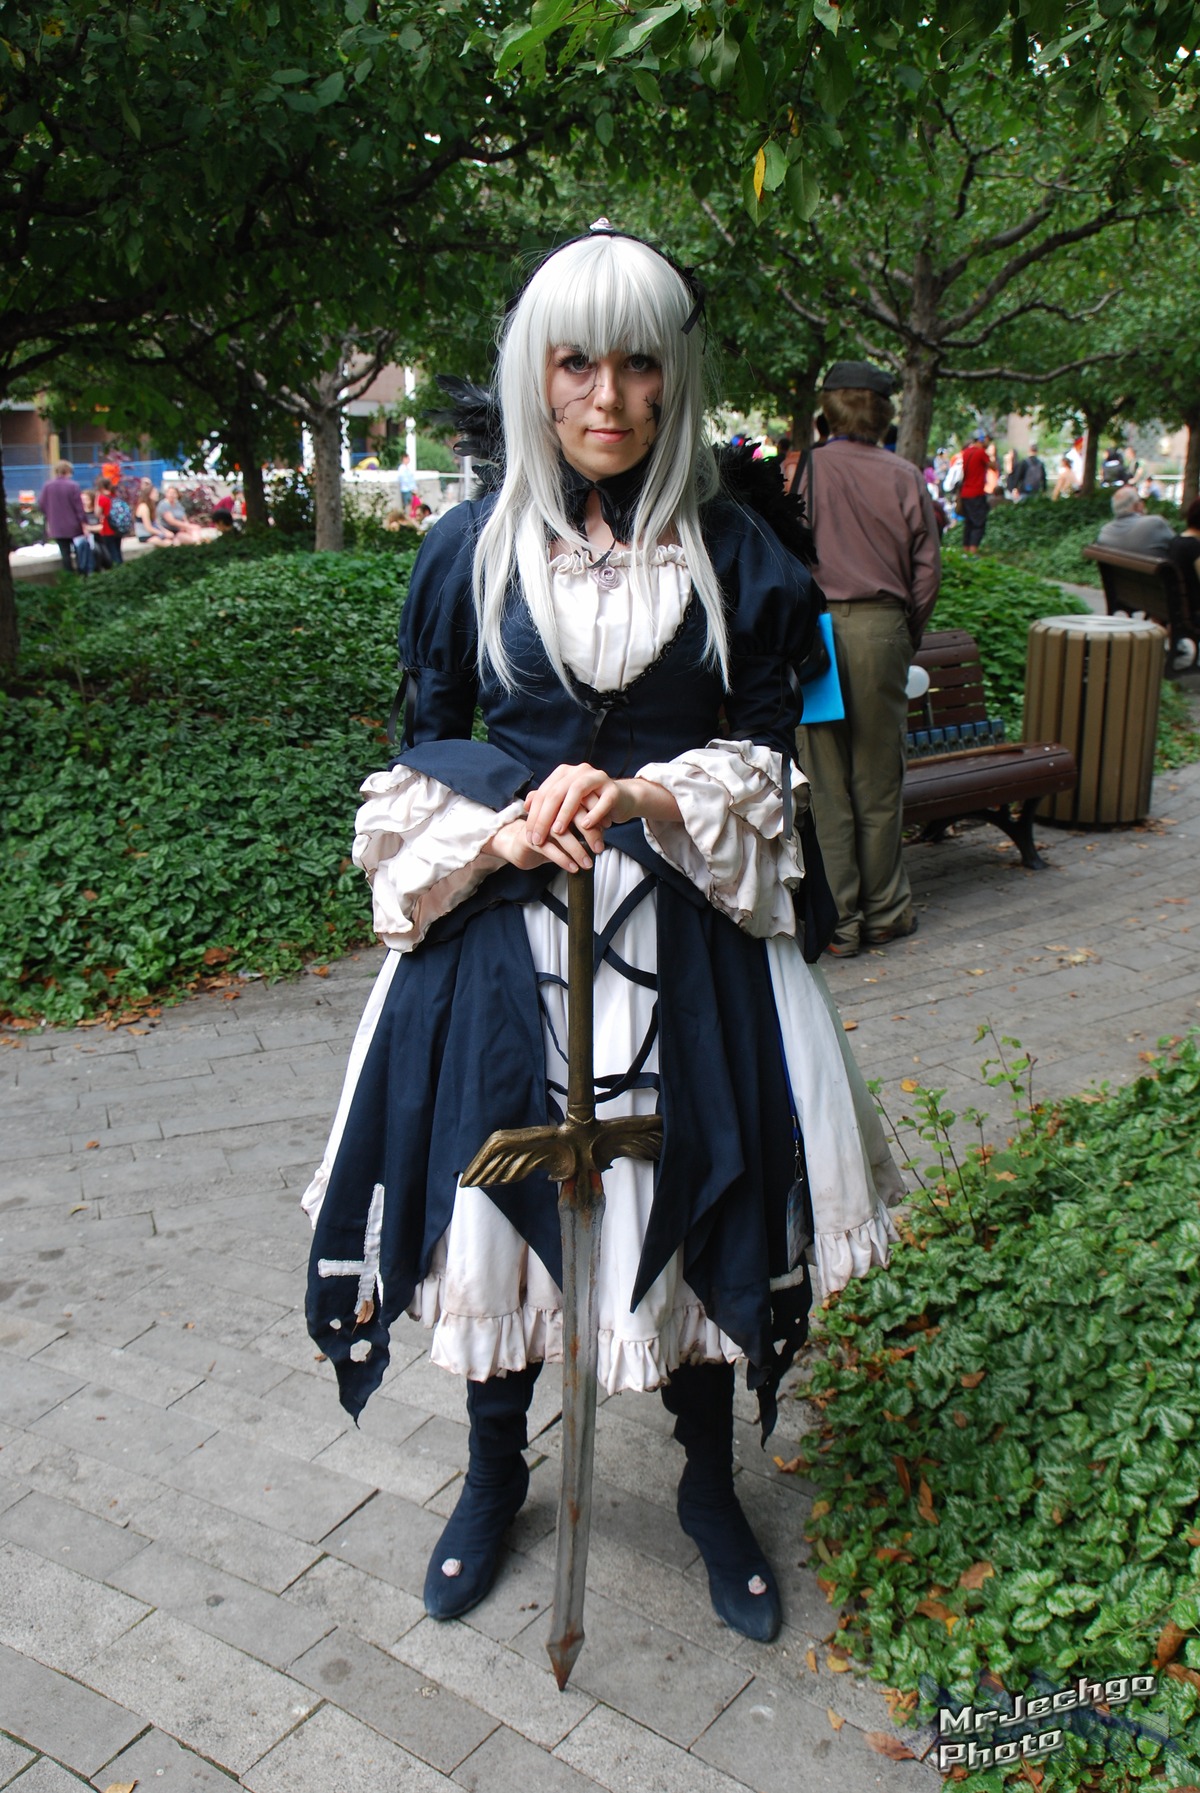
209 1577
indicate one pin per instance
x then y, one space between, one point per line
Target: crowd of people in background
89 524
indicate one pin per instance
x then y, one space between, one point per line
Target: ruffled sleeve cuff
420 845
731 841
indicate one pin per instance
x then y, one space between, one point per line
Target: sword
573 1154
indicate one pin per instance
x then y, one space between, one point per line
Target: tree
318 137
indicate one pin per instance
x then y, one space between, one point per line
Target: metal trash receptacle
1093 683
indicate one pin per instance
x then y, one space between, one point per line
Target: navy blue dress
458 1049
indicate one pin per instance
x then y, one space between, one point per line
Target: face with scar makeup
605 408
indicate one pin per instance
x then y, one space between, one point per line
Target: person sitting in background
144 527
171 516
222 522
1131 529
61 504
1184 550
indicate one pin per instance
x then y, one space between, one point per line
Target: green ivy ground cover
1008 1471
178 772
1048 538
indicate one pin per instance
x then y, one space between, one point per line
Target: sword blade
581 1217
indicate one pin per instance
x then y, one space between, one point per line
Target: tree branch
1028 379
1050 245
1018 311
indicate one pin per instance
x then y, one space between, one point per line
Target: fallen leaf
1035 1776
91 1145
810 1661
89 896
320 1357
959 1417
230 995
120 1787
888 1553
976 1575
925 1503
1177 1672
319 970
908 1085
979 972
218 955
834 1720
849 1026
1193 1537
1004 1176
828 1588
788 1468
837 1665
80 1208
886 1745
1170 1641
902 1472
821 1507
973 1378
934 1609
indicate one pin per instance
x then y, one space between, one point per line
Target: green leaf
803 190
330 89
647 87
604 127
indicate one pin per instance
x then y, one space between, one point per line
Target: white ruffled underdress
489 1300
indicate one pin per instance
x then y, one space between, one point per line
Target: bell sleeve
420 833
739 799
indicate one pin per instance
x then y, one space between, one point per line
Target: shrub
997 604
178 771
1008 1468
1048 538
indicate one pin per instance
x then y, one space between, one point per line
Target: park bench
1152 586
960 765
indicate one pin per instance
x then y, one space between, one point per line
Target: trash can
1093 683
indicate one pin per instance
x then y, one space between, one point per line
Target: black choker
619 496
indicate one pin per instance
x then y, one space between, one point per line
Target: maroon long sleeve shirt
875 529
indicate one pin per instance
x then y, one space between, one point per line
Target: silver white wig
604 295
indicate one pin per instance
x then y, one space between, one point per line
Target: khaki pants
856 769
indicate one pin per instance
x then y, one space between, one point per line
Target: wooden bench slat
978 781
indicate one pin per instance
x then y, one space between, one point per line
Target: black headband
689 276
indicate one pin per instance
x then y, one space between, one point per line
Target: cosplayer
629 633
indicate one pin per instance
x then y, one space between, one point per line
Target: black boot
464 1562
740 1580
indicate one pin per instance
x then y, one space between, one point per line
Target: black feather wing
475 416
759 486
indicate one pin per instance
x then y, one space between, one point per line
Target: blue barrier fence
31 476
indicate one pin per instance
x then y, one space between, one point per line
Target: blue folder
823 701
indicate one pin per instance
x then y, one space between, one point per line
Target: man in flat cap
879 565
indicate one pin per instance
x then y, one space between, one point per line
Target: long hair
603 295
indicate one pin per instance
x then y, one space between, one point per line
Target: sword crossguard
567 1151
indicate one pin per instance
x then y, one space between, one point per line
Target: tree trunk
918 392
1191 462
1094 422
10 639
326 427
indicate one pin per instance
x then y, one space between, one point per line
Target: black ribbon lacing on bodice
614 1083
